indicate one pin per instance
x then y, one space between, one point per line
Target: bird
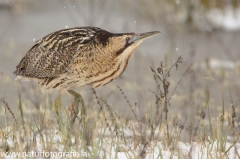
76 57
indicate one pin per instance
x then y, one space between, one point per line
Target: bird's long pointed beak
143 36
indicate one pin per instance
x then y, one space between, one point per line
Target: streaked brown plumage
77 57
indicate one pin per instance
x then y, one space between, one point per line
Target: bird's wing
51 55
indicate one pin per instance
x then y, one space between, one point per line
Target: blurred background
206 33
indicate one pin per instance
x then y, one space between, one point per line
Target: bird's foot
74 107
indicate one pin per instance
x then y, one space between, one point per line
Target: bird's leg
58 107
74 107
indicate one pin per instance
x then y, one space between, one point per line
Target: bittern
77 57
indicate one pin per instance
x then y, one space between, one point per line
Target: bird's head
124 44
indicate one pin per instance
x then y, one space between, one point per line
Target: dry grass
100 128
173 118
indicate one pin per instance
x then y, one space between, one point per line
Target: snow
227 19
218 65
111 147
9 142
214 63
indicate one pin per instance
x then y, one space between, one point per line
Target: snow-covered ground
227 19
113 147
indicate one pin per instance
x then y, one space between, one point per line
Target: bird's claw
74 107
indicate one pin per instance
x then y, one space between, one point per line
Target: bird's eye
127 38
